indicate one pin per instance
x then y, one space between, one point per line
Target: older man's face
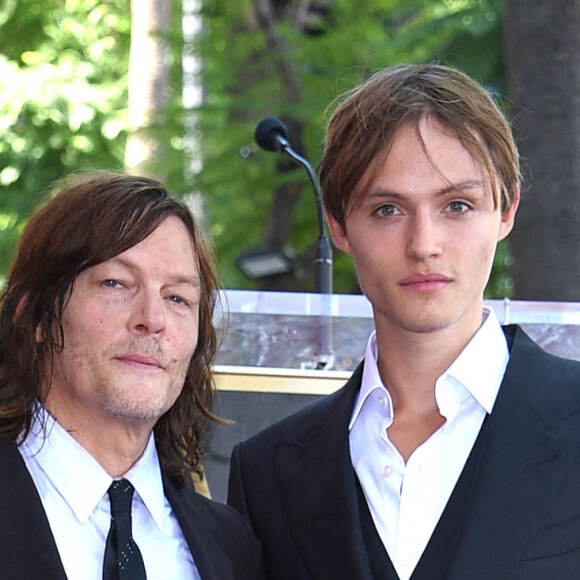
130 330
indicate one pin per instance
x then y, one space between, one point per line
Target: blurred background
175 88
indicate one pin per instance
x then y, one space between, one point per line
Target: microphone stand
323 256
323 356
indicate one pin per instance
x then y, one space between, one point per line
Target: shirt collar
371 380
145 476
481 365
85 484
476 372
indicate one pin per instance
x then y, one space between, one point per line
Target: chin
135 413
426 328
141 409
427 325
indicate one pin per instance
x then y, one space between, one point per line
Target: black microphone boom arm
271 135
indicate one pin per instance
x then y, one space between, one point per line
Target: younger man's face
424 236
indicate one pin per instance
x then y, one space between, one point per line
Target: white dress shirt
407 500
73 488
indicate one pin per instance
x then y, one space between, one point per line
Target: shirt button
382 400
387 471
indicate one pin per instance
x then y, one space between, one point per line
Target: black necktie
123 560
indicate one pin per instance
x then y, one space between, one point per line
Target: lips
141 360
425 282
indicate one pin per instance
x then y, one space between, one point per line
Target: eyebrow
193 280
467 184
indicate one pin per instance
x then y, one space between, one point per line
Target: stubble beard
144 402
143 411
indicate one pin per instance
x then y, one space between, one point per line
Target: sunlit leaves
62 99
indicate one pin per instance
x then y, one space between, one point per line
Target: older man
106 341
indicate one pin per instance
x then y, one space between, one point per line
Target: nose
148 316
424 237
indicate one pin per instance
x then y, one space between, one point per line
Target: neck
410 362
409 369
116 445
116 454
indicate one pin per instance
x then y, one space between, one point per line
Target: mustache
139 346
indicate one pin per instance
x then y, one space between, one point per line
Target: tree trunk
148 81
542 48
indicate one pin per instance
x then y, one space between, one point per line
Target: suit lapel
317 485
524 463
27 546
200 529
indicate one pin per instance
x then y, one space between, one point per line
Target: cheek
87 332
75 337
478 258
183 358
377 259
75 366
185 344
365 252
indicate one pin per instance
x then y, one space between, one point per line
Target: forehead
426 150
429 146
169 246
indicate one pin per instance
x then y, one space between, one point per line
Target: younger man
453 452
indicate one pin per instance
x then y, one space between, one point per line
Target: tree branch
280 52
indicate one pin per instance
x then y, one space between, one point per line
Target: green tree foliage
62 98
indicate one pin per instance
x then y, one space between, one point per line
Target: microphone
271 135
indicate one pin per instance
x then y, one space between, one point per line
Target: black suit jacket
220 540
296 485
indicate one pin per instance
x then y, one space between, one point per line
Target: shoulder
225 517
304 423
550 384
214 530
526 353
183 497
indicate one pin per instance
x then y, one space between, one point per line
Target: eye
110 283
458 207
387 210
178 300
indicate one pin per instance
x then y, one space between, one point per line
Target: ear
508 217
338 233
